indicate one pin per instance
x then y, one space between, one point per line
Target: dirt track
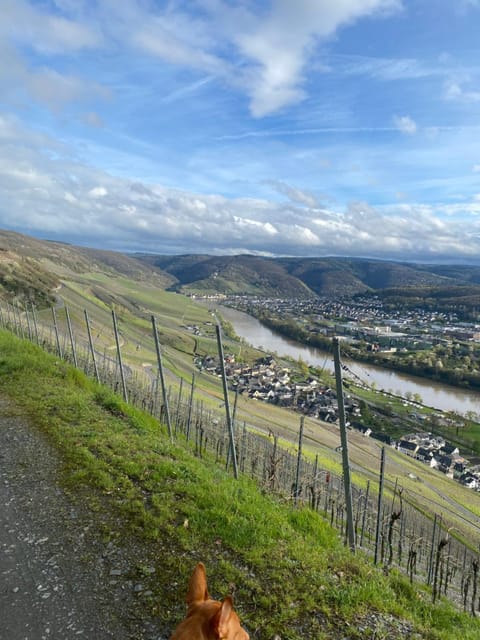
58 579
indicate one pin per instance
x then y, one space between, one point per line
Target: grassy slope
290 572
134 303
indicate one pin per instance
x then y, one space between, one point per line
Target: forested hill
284 277
32 269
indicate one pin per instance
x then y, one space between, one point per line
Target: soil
59 578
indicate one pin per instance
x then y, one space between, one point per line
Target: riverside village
266 381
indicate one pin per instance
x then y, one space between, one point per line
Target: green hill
303 277
243 274
32 270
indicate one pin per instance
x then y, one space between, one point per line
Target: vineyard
391 530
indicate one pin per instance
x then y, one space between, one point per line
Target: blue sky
289 127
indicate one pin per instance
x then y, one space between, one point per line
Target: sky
277 128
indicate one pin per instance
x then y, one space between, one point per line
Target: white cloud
157 38
405 124
69 197
455 91
21 83
262 51
293 194
46 33
282 43
385 68
54 89
98 192
44 194
476 168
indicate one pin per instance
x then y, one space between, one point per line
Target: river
433 394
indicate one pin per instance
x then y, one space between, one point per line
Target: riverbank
455 375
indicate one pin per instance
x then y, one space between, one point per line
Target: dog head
208 619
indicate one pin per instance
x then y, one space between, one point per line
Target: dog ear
197 587
219 622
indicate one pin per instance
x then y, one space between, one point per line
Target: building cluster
435 452
366 319
266 381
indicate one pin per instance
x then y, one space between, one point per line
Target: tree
303 366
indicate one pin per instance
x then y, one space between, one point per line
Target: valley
98 282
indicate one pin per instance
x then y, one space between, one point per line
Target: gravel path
58 579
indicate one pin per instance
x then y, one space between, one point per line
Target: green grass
291 574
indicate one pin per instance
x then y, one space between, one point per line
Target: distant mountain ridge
32 269
303 277
242 274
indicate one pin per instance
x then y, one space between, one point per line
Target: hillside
347 276
32 270
303 277
243 274
154 508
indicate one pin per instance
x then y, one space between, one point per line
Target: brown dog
208 619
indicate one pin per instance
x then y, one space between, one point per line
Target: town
432 344
367 319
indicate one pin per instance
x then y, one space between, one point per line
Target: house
267 361
445 465
366 431
209 364
408 447
449 450
459 467
327 414
285 398
425 455
470 481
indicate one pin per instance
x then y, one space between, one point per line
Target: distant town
366 319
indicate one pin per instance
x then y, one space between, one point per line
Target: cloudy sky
277 127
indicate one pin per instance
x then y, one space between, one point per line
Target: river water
433 394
